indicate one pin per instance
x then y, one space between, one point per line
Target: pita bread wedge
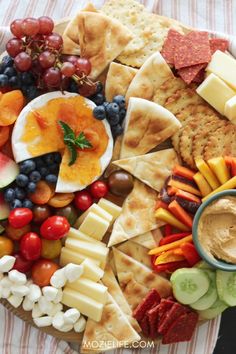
147 124
153 73
152 169
102 49
149 239
137 215
136 251
111 332
109 280
136 279
118 80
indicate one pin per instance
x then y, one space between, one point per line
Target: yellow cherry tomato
50 249
6 246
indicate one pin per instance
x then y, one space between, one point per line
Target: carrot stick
183 171
180 213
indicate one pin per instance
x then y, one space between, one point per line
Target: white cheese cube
6 292
67 327
6 263
71 316
95 251
50 293
58 320
80 325
224 66
70 256
34 293
44 305
58 297
36 312
82 237
216 92
94 226
5 282
110 207
27 304
58 279
91 289
92 271
96 209
230 109
55 308
44 321
20 290
73 271
17 277
15 300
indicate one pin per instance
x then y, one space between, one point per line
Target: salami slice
175 311
144 324
168 49
189 73
153 320
192 49
151 299
181 329
218 44
165 306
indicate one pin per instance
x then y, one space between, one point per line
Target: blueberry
120 100
43 171
22 180
16 203
27 166
3 80
27 78
20 193
105 104
9 194
98 99
114 120
27 204
122 114
7 61
31 187
51 178
9 71
57 157
14 82
99 87
117 130
32 92
99 112
112 109
35 176
73 87
39 162
48 159
53 168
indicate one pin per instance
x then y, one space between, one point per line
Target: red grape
52 77
83 66
47 59
71 59
87 90
16 28
54 41
46 25
30 26
36 67
14 46
68 69
23 61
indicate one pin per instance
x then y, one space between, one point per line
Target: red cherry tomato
30 246
54 227
98 189
20 217
83 200
42 271
21 264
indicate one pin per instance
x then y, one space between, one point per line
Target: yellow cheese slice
87 306
216 92
224 66
110 207
82 237
70 256
93 251
230 109
94 226
96 209
92 271
90 288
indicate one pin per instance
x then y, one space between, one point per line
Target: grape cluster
37 50
31 172
114 112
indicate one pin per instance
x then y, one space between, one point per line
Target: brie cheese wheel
21 151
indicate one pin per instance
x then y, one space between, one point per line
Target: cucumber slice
207 300
217 308
203 265
189 284
226 286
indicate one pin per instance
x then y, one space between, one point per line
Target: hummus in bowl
214 230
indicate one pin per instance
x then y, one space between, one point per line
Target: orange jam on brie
43 134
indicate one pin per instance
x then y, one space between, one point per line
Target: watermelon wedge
8 170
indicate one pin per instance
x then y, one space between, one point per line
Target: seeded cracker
181 99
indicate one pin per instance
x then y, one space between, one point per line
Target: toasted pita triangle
114 289
111 332
136 279
136 251
147 125
153 73
118 80
150 239
137 215
152 169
